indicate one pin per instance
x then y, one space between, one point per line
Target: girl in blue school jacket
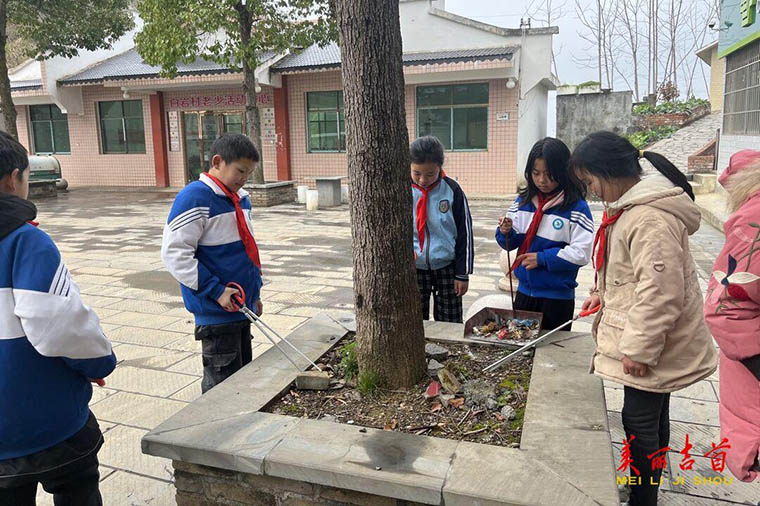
552 229
443 245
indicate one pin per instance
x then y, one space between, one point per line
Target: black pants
646 417
68 470
447 307
555 311
226 349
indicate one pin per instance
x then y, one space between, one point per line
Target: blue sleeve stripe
583 225
186 221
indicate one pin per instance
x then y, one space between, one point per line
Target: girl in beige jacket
650 334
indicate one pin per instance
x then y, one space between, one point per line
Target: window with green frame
325 121
50 129
122 129
457 114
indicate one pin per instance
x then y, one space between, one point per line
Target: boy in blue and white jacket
51 348
443 244
207 243
551 226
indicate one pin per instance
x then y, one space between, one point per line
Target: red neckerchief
545 202
422 209
33 223
245 234
601 240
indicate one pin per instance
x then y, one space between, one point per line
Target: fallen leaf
457 402
394 423
388 427
437 406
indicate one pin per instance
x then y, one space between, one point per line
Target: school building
112 120
739 49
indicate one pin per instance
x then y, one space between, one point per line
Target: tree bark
252 118
389 323
7 109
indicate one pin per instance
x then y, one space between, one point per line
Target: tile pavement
111 245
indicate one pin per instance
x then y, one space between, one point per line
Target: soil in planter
488 408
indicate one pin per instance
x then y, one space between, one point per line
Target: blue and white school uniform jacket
202 249
563 242
448 233
50 344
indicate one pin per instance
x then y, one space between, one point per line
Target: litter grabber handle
238 301
582 314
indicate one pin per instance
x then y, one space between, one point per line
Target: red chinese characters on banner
201 101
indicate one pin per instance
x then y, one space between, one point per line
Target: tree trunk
7 109
389 323
252 118
253 121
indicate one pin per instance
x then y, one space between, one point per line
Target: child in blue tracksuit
207 243
551 226
443 245
51 349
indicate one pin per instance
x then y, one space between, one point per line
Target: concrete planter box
272 194
225 449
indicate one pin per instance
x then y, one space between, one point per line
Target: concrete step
707 181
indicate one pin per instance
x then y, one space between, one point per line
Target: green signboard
738 25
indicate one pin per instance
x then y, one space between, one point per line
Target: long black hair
426 149
610 156
556 156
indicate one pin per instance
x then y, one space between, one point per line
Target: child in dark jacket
51 349
551 227
443 244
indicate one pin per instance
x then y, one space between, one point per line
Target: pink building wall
487 172
492 171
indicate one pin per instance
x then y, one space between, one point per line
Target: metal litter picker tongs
533 343
238 301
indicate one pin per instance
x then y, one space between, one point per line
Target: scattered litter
513 329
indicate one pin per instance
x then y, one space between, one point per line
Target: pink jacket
732 311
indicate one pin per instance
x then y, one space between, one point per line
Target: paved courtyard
111 244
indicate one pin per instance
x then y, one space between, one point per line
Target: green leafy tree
234 33
56 28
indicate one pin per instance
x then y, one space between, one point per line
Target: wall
86 165
483 172
717 80
531 126
580 115
730 144
422 32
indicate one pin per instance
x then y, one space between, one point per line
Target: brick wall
267 195
703 160
649 121
207 486
492 171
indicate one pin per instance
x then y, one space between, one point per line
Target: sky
568 45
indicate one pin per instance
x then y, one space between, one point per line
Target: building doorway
201 129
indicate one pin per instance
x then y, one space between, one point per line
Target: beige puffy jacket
651 300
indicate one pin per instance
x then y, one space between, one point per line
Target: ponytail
610 156
670 171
